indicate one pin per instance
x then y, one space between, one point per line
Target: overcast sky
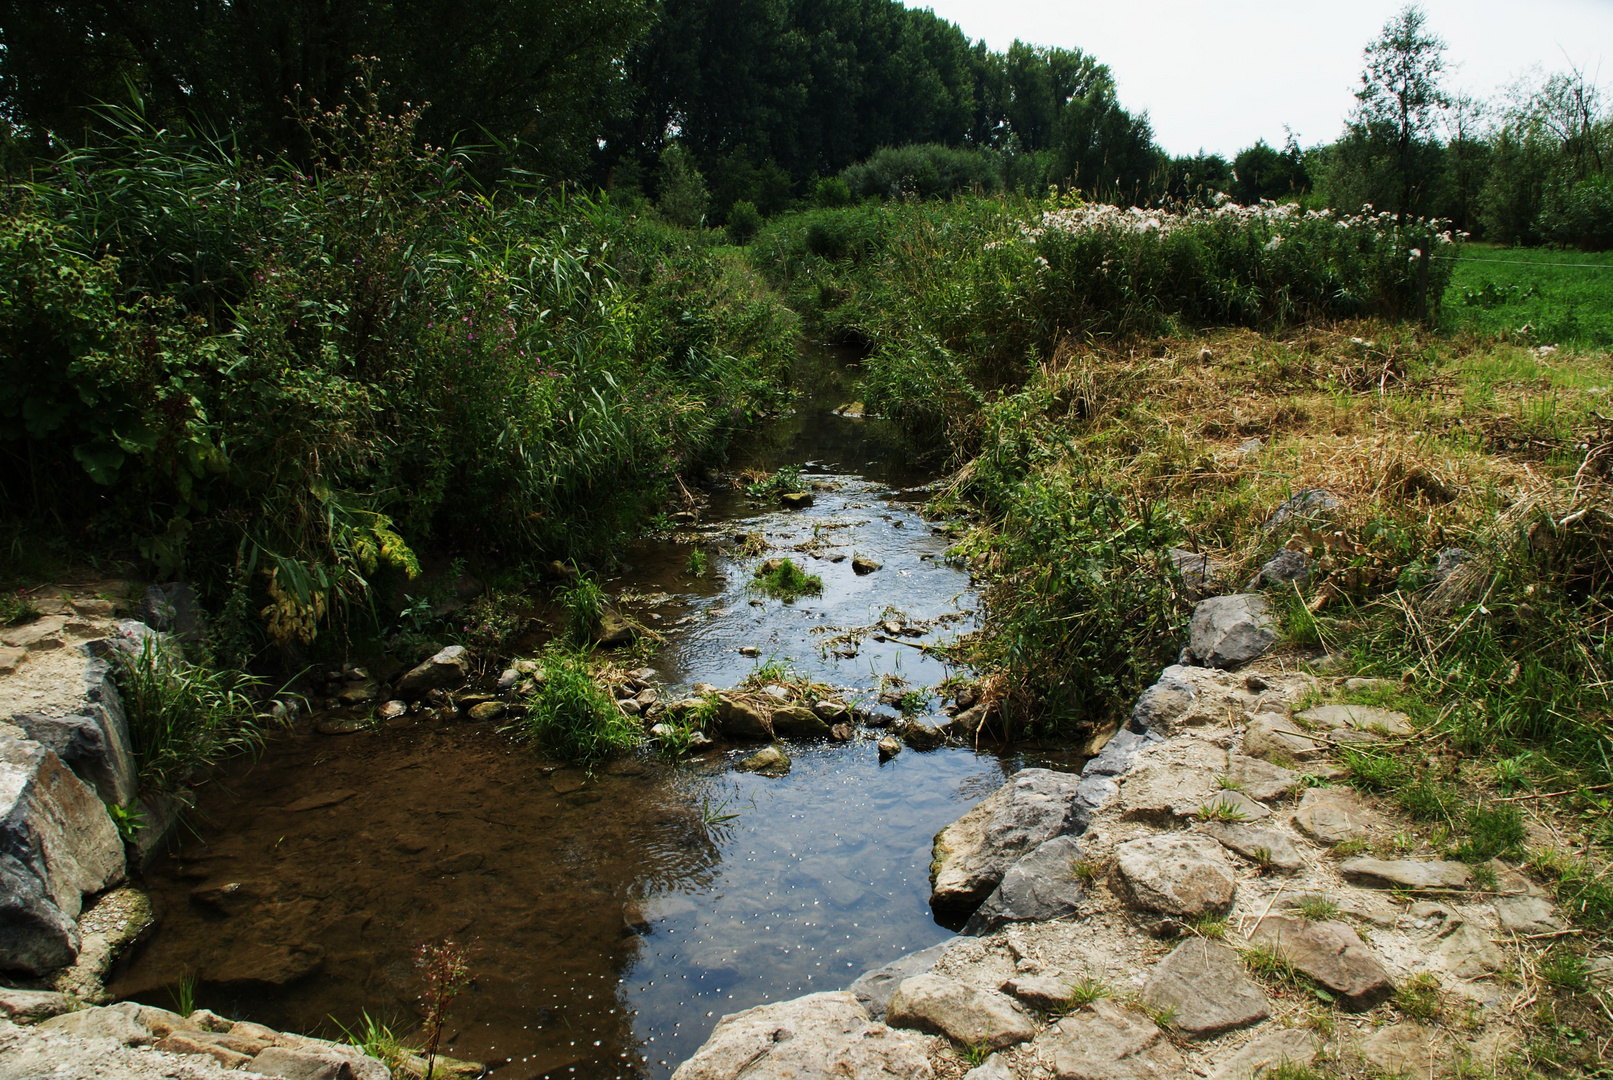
1218 76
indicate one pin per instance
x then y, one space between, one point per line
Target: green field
1563 297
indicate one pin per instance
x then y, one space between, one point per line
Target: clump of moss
783 580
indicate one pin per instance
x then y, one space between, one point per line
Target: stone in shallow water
1106 1041
797 721
1181 874
1203 986
819 1035
768 761
963 1013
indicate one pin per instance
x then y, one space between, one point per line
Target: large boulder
826 1034
742 719
449 667
92 736
57 843
965 1014
1227 631
1039 887
1159 706
797 721
971 855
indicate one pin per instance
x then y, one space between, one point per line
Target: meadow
1532 296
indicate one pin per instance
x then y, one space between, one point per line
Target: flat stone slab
1040 887
1290 1046
1181 874
1265 847
1407 873
1525 915
826 1034
873 989
1276 738
1039 991
1227 631
1403 1050
1159 790
1358 718
1334 816
1259 779
1332 954
1106 1041
1202 986
971 855
963 1013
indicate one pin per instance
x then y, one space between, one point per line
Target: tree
1399 102
681 190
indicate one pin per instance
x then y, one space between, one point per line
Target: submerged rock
769 761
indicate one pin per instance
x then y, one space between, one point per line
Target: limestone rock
1162 704
963 1013
448 668
1161 790
1202 985
57 843
1105 1041
993 1068
1292 1046
1039 887
31 1006
1358 718
797 721
1201 573
819 1035
1284 567
102 1022
1527 914
769 761
1259 779
1266 847
1334 816
1467 952
1039 991
1407 873
1402 1050
1227 631
1117 753
1331 953
873 989
93 739
1175 874
1231 804
1278 739
971 855
183 1044
740 718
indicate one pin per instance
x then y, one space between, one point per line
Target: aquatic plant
783 580
584 601
697 562
572 717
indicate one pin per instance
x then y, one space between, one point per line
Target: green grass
183 717
584 601
1496 291
17 607
572 717
783 580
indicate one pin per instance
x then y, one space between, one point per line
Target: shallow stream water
611 919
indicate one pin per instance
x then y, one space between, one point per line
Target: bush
573 718
288 382
1581 215
743 222
831 191
928 171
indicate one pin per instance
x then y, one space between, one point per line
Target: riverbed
612 918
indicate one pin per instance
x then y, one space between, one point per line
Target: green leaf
101 460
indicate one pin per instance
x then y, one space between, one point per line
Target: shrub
831 191
743 222
1580 215
573 718
927 170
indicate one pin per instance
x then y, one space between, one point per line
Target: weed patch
783 580
572 717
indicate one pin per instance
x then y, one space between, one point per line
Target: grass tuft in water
783 580
584 602
573 718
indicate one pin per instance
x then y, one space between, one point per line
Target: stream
611 919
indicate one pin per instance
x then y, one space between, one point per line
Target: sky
1217 76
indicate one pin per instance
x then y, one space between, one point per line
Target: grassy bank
287 386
